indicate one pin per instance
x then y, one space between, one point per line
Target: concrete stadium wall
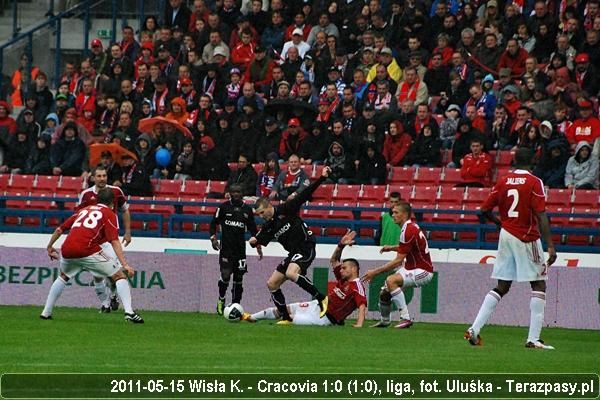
188 282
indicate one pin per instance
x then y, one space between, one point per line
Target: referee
235 218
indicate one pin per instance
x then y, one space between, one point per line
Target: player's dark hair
395 195
105 196
262 203
405 206
523 157
354 262
476 140
99 168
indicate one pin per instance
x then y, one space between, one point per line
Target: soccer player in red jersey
417 271
521 201
90 197
347 295
90 228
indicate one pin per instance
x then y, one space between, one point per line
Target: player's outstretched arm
346 240
390 265
387 248
52 253
362 313
545 231
116 245
293 205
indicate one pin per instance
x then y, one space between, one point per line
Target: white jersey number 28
90 222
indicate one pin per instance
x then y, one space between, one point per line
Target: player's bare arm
545 231
52 252
387 248
362 313
259 251
390 265
489 215
116 245
127 223
346 240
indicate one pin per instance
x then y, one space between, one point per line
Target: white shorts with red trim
519 261
307 314
414 277
99 264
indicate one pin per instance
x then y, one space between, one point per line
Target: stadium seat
505 158
476 195
47 182
447 218
217 187
373 193
17 203
70 184
193 209
428 176
194 188
371 215
318 213
68 205
446 156
424 195
308 170
470 218
402 175
424 216
342 215
164 209
586 198
139 208
451 195
317 171
451 177
589 221
323 193
168 187
4 178
558 197
258 167
405 191
348 193
558 220
23 182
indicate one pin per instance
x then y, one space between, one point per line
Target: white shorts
519 261
109 251
308 314
100 265
414 277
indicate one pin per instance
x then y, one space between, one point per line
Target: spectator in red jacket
5 118
243 53
291 139
476 167
396 145
514 58
587 127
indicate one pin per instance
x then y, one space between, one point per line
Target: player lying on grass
89 228
347 295
417 271
283 224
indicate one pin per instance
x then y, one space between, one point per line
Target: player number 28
514 193
90 222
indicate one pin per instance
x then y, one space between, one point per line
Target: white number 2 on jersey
90 222
511 211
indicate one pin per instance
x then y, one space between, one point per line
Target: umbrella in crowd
116 150
147 125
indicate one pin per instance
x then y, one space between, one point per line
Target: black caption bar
299 386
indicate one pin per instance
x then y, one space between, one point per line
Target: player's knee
394 281
272 285
501 290
538 286
225 277
118 276
64 277
98 279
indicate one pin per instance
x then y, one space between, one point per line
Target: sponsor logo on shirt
282 230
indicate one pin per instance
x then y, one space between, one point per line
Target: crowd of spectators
359 85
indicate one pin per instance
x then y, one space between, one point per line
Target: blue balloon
163 157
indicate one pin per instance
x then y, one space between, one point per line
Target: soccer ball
233 312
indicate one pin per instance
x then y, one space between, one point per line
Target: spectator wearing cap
177 13
449 125
214 46
145 57
586 127
243 53
160 97
61 105
324 25
297 42
274 33
168 65
513 57
269 139
234 87
505 79
387 60
243 24
586 75
291 139
510 99
366 60
260 69
437 77
98 58
283 91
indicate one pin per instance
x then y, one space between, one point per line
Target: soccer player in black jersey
283 224
235 218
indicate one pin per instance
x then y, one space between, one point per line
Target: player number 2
511 211
90 222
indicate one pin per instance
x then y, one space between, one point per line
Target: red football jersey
90 227
413 243
89 198
345 297
520 196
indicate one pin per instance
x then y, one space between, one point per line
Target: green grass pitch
82 340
